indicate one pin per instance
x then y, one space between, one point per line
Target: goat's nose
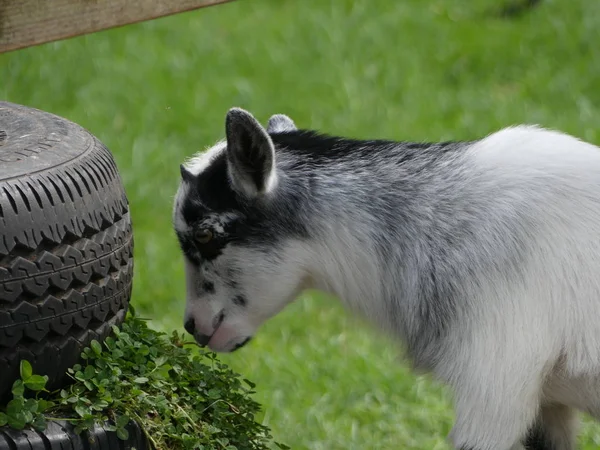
190 326
201 338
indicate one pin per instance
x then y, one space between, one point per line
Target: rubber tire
66 244
61 436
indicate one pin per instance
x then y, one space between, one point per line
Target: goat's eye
203 236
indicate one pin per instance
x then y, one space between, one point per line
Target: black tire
66 244
61 436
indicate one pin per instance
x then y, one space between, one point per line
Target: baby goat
483 257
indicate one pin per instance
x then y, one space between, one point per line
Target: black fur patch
197 252
208 287
214 189
189 248
192 208
209 192
537 439
322 148
312 147
239 300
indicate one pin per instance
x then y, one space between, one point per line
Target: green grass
425 70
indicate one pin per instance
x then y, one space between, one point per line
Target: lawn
156 92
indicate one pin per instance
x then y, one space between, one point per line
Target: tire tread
66 248
60 435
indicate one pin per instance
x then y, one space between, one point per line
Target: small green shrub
181 400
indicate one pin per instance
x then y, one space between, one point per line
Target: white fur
199 162
178 221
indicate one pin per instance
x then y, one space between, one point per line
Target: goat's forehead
196 165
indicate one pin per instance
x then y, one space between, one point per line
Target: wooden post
24 23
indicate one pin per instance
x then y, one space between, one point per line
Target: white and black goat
483 257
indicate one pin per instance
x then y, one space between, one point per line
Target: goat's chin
230 346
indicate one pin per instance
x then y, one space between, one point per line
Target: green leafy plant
21 411
180 399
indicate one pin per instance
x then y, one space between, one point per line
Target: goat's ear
250 154
280 123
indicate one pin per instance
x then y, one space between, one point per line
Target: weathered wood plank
24 23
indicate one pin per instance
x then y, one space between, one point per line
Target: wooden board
24 23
